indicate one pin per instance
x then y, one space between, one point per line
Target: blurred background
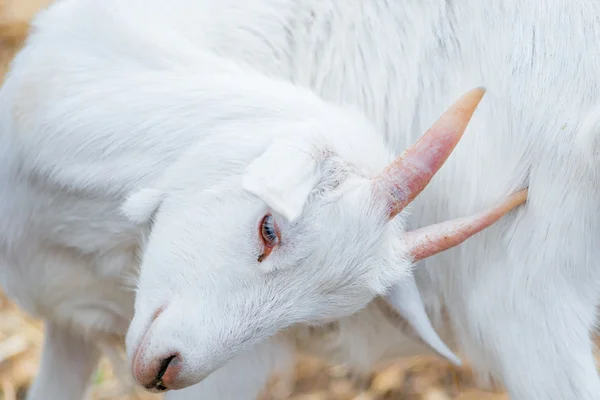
407 379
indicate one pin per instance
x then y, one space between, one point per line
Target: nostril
168 369
164 365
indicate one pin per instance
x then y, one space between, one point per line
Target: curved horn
408 175
433 239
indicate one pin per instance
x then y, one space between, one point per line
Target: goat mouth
156 384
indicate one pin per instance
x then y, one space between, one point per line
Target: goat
236 211
399 64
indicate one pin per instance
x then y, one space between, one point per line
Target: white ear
141 205
406 300
284 175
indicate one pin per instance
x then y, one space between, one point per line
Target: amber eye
269 235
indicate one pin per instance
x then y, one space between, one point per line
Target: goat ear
284 175
405 299
140 206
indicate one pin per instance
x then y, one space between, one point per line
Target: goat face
301 236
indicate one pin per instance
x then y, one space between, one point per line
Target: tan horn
433 239
408 175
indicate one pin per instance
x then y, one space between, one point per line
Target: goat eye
268 231
269 235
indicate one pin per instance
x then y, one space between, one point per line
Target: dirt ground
21 337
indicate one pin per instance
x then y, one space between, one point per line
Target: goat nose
159 374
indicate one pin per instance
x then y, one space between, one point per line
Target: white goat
107 95
263 207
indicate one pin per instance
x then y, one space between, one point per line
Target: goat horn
433 239
408 175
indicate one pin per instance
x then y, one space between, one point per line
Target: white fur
284 176
167 103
